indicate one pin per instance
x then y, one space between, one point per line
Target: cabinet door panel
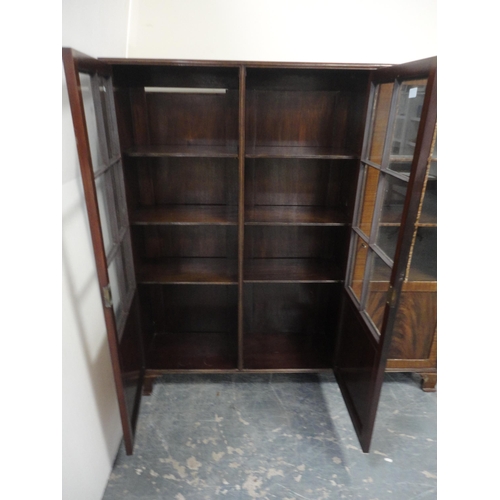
90 90
398 137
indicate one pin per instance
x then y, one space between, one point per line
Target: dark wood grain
156 241
313 152
241 202
414 326
241 209
191 351
321 242
188 270
301 183
194 119
183 151
295 215
286 351
292 270
183 181
186 215
289 325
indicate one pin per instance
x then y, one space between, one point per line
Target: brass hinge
391 297
106 296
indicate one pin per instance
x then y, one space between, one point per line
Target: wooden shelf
187 151
299 152
186 215
294 215
216 271
286 351
291 271
193 351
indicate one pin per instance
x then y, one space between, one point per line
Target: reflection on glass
378 287
393 199
358 270
406 123
119 195
102 200
428 213
423 265
91 121
106 94
387 239
116 287
379 123
369 194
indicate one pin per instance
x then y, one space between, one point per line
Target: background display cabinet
261 217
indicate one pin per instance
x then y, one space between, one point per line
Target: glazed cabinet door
90 90
397 146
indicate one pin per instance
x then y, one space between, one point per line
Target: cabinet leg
429 381
147 387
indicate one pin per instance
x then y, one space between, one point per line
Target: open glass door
90 90
397 146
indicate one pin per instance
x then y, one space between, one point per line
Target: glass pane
393 199
379 123
96 152
114 273
380 277
428 214
106 96
387 239
102 200
119 195
423 266
406 123
358 270
369 194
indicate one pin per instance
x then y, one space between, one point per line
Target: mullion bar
116 244
104 169
241 208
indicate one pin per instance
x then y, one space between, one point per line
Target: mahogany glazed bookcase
261 217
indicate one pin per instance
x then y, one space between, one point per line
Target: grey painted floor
239 437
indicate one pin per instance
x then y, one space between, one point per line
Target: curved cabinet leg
429 381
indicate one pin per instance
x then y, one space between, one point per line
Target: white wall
381 31
91 423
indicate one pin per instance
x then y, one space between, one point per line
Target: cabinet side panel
414 326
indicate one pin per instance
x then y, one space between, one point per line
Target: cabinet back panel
306 80
201 119
289 326
190 181
305 118
291 308
175 76
191 308
153 242
299 182
289 242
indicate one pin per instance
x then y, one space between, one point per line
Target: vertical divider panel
241 208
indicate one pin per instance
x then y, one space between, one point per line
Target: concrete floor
286 437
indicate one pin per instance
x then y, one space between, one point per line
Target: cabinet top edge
236 64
